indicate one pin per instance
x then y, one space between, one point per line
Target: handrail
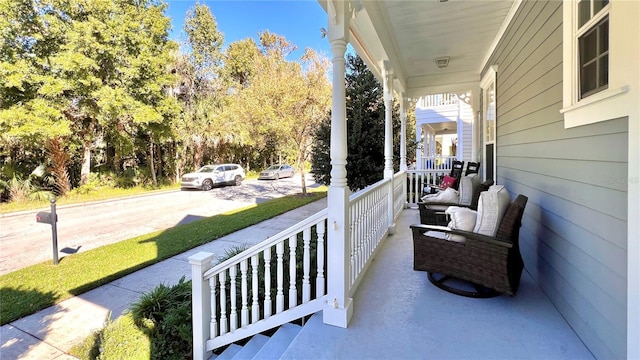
267 243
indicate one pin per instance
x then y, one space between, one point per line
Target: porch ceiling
410 35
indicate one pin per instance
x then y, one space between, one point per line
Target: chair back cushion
467 187
492 205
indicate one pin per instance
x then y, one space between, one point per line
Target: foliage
164 314
98 86
33 288
365 128
80 75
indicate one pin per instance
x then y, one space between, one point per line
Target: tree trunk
59 160
86 162
152 167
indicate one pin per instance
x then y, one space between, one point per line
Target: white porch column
388 140
403 132
338 309
403 144
421 148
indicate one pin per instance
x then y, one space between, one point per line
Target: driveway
25 242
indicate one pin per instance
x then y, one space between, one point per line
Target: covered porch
399 314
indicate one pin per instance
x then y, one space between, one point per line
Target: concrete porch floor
399 314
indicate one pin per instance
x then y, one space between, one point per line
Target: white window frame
489 79
606 104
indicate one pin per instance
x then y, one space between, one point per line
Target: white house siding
574 233
465 136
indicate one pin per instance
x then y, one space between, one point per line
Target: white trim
615 101
503 28
489 78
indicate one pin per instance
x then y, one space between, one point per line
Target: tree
85 72
281 101
365 131
201 88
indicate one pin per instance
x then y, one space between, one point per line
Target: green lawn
36 287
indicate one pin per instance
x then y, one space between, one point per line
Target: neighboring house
441 121
555 88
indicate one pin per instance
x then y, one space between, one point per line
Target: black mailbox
45 217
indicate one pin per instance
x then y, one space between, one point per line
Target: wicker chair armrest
469 235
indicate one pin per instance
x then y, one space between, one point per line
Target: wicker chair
492 264
472 168
432 213
456 172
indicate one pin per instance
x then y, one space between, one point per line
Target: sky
299 21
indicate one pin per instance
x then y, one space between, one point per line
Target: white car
209 175
276 172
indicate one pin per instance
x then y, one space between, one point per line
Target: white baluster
223 302
233 315
306 266
244 311
320 259
213 323
293 292
280 277
255 307
267 283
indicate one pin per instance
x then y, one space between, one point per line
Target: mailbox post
51 218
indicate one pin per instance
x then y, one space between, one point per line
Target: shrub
164 314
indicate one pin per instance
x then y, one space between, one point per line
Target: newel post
201 303
338 308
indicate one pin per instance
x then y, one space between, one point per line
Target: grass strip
36 287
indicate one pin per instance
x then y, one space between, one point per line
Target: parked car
209 175
276 172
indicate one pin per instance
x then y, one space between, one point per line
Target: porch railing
260 288
437 162
368 213
283 278
417 180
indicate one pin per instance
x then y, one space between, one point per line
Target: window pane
604 36
598 5
584 12
603 80
588 76
588 46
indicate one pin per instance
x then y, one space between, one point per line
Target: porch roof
411 35
399 314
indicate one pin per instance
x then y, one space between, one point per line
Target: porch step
262 347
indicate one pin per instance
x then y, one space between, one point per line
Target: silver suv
209 175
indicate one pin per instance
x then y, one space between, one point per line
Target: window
593 46
596 57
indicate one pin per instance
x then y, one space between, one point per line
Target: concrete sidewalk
50 333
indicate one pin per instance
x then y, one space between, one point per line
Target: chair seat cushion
492 205
448 195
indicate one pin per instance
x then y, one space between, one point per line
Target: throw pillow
447 182
461 219
492 205
467 187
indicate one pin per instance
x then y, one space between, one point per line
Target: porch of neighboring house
399 314
444 130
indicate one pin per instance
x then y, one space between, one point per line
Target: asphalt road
25 242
